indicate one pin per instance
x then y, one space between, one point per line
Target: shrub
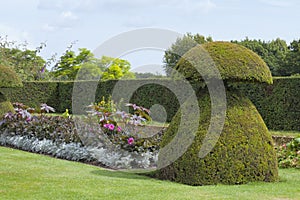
8 79
78 138
289 154
244 151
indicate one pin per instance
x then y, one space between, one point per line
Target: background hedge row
279 104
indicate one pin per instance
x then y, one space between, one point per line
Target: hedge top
234 63
9 78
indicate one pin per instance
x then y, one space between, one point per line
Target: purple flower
119 129
130 140
105 125
8 115
111 127
47 108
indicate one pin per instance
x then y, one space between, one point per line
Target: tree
292 65
69 64
8 79
191 151
179 48
91 68
26 63
115 68
273 53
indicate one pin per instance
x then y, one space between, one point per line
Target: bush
244 151
8 78
56 135
278 103
289 154
33 93
234 63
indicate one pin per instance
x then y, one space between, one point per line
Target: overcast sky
92 22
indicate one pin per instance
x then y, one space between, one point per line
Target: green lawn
31 176
285 133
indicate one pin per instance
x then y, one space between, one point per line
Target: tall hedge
243 153
278 104
34 93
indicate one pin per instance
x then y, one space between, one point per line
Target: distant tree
25 62
179 48
115 68
292 65
273 53
69 64
148 75
91 68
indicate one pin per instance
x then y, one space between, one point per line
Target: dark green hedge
34 93
279 104
243 151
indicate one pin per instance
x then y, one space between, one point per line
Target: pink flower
119 129
111 127
105 125
130 140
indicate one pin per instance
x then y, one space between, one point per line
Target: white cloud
14 34
78 5
68 15
66 21
278 3
202 6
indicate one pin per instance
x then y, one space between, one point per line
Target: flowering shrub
289 154
80 139
121 127
28 122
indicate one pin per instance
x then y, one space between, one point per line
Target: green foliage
26 63
289 154
5 106
85 66
23 122
70 63
9 78
116 68
244 151
278 104
122 128
33 93
274 53
234 63
292 59
179 48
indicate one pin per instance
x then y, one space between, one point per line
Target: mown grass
25 175
285 133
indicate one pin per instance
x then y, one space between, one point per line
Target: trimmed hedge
9 78
278 104
243 153
34 93
5 105
234 63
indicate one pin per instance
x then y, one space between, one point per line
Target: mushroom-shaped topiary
244 151
8 79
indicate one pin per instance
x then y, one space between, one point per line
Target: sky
92 22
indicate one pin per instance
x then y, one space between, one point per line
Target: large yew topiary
8 79
244 151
